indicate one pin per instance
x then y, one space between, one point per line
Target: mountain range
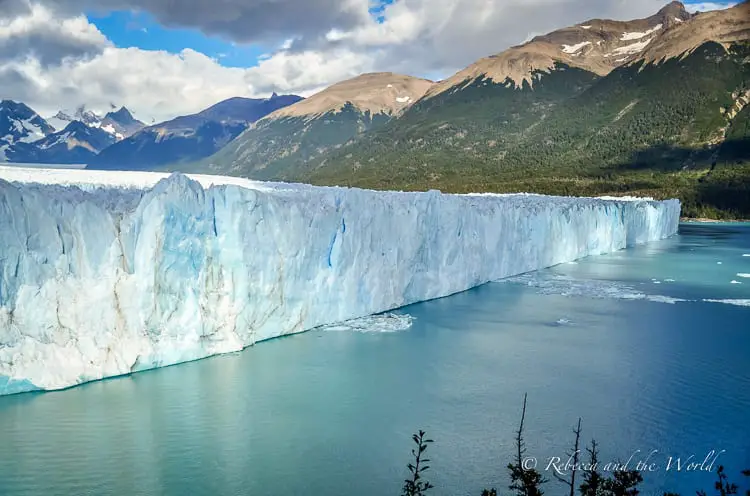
281 143
120 124
655 106
189 137
119 140
66 138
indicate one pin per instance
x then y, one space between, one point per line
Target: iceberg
108 273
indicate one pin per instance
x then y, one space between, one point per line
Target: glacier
107 273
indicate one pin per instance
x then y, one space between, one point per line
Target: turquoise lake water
626 341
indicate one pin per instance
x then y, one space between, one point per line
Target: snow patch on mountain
571 49
64 117
59 139
638 36
109 128
631 49
27 130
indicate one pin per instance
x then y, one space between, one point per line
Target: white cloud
153 84
404 22
248 21
303 72
39 17
37 32
287 44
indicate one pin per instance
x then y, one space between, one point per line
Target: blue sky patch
137 29
378 11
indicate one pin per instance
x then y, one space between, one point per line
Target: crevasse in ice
102 278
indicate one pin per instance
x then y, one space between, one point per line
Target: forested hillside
677 128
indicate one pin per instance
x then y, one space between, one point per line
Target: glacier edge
99 280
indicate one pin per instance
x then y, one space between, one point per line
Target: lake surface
625 341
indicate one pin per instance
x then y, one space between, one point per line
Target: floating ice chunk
719 263
555 284
665 299
387 322
668 280
739 303
735 282
746 276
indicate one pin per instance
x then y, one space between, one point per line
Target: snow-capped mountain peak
20 124
64 117
119 124
88 117
28 138
123 116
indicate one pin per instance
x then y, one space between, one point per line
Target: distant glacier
107 273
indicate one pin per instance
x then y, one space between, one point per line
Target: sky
164 58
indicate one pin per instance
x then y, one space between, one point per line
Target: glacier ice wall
98 280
